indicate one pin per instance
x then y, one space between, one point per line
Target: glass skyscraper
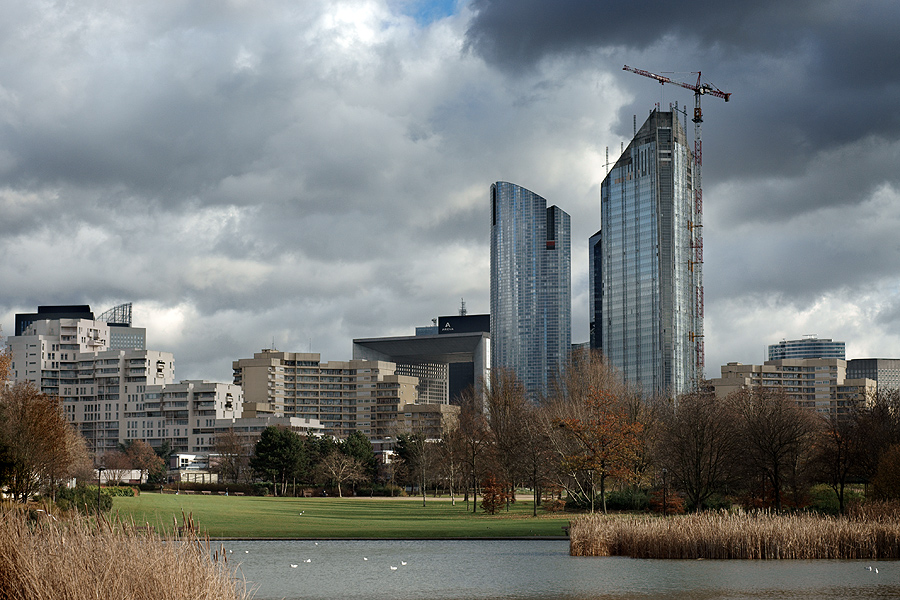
531 286
651 325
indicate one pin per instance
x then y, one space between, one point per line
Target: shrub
824 500
718 502
674 503
628 499
83 498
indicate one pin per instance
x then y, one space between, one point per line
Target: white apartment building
185 414
70 358
116 395
820 384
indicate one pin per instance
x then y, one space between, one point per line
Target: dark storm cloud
518 33
806 75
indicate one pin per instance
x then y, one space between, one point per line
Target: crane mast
695 225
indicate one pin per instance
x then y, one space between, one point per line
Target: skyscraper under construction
648 319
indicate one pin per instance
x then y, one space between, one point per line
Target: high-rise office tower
650 279
531 286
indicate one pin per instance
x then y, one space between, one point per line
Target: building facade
809 347
531 297
884 371
445 363
595 282
650 278
820 384
113 395
99 387
368 396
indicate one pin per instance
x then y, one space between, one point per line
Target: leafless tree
837 452
232 461
116 465
878 424
774 434
476 439
340 468
698 445
451 460
507 408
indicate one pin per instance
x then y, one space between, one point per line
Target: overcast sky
309 172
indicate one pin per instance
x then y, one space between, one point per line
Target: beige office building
820 384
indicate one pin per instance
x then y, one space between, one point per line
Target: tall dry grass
43 557
721 535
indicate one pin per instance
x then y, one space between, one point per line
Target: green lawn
254 517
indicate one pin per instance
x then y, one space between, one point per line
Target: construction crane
696 223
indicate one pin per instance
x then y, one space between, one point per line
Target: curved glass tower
649 286
531 297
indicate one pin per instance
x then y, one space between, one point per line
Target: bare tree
837 452
774 436
698 445
507 412
232 461
537 456
340 468
116 465
476 439
452 453
878 424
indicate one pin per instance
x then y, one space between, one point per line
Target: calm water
531 570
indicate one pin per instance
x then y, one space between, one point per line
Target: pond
532 570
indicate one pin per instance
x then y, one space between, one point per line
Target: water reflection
532 570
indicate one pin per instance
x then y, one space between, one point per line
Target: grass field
366 518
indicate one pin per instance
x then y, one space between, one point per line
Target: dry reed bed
722 535
44 558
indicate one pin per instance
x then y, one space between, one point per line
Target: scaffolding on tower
696 223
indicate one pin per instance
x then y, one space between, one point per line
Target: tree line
589 438
592 435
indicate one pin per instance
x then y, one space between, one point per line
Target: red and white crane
696 223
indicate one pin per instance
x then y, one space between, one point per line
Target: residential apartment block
115 395
71 358
344 396
820 384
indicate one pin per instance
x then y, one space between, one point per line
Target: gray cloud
310 173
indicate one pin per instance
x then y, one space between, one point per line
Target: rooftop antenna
462 307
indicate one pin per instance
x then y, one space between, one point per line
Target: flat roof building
808 347
820 384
